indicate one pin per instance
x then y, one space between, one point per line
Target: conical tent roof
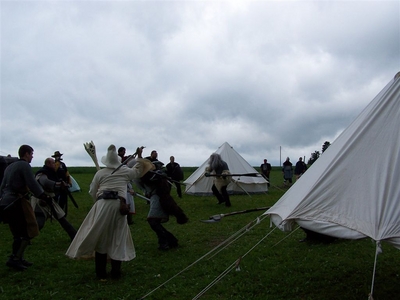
198 184
352 191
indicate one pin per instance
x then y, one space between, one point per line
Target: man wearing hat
105 230
62 174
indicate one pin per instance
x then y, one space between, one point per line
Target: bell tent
352 190
199 184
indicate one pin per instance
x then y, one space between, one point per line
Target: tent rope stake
378 250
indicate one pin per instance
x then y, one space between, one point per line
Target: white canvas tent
352 191
198 184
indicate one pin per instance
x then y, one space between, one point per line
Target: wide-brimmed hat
147 164
111 159
57 154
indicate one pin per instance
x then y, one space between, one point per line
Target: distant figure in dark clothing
4 162
300 168
265 170
62 174
174 171
130 192
287 171
121 153
153 158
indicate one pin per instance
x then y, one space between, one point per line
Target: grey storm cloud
272 78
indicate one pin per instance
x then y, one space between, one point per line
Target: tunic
104 229
17 182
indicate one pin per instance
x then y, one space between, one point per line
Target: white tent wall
198 184
352 190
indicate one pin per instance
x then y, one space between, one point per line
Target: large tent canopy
352 191
199 184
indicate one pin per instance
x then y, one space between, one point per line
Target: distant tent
198 184
75 186
352 190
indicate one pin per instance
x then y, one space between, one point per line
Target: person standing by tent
47 178
105 230
174 171
265 170
62 174
222 179
300 168
287 171
17 212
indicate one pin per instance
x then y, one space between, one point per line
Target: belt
119 197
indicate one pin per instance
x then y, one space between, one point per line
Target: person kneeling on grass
105 230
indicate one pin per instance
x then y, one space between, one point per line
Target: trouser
287 179
63 202
16 260
266 178
101 265
69 229
19 246
223 196
178 189
165 238
20 243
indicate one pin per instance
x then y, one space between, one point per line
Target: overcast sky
183 77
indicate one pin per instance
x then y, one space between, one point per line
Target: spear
244 174
217 218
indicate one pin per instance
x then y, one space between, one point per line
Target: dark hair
215 161
120 149
24 149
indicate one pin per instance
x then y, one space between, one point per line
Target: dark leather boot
15 263
115 269
16 245
101 265
16 260
217 194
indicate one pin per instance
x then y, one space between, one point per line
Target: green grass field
280 267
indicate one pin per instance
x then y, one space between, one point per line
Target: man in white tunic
105 231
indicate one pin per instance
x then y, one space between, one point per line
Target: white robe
104 229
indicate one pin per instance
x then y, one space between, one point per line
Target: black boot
67 227
16 260
225 195
101 265
115 269
217 194
129 218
